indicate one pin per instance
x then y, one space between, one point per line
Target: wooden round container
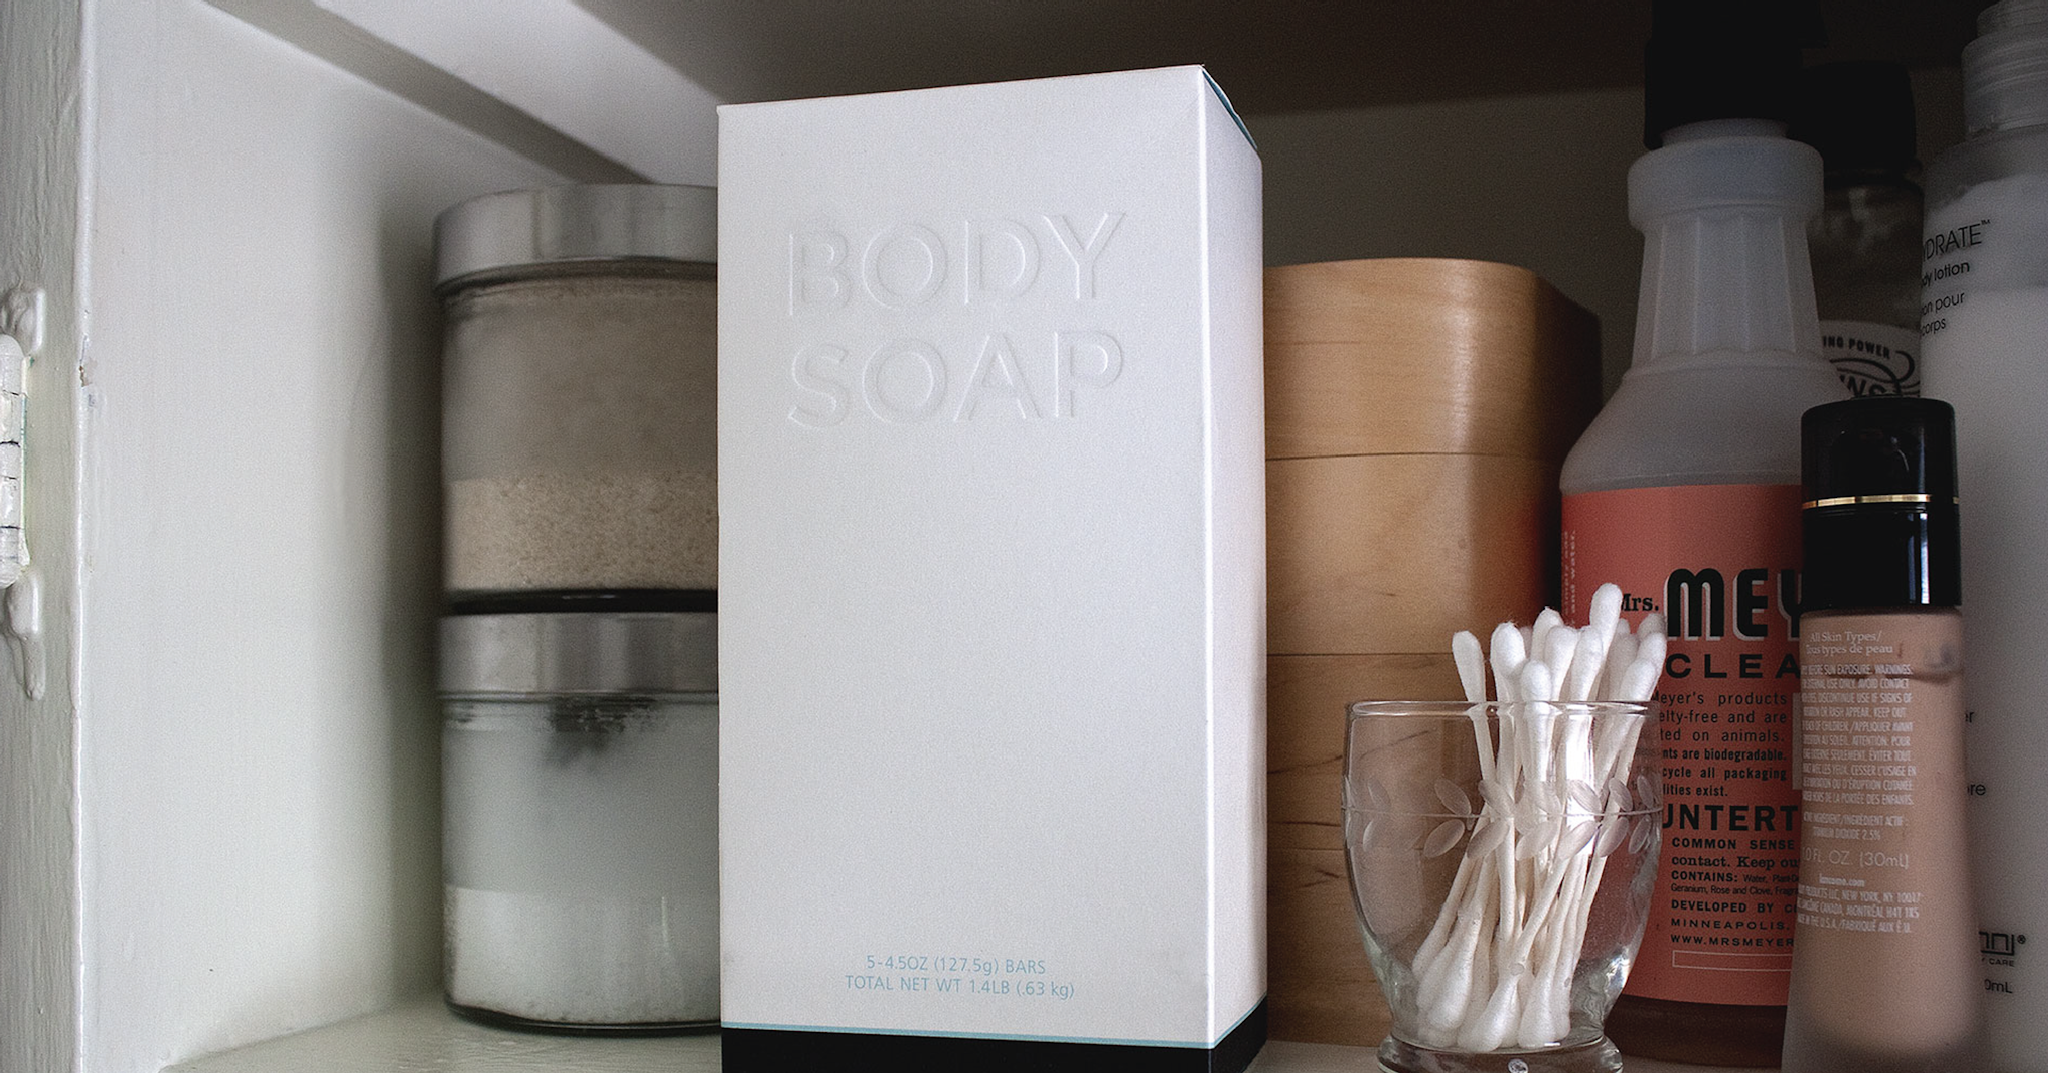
1417 413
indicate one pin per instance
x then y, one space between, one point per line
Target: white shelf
423 1036
545 77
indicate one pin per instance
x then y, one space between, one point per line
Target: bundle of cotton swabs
1496 968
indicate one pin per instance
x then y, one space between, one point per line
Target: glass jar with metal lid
580 819
579 365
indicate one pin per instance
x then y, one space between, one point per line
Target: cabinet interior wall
233 796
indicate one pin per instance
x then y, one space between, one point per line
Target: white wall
40 131
1539 182
257 575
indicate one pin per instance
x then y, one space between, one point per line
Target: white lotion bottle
1984 327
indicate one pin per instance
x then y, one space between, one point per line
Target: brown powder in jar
654 530
579 442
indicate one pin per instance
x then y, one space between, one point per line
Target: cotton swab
1497 963
1471 665
1509 652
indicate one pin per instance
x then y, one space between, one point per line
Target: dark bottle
1865 243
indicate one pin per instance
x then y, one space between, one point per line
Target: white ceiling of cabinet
1271 55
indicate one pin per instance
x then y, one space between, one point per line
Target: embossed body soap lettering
956 368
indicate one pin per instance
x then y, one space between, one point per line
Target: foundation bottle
1884 976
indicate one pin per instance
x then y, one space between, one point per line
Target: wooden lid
1424 355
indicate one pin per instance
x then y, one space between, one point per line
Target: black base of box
769 1050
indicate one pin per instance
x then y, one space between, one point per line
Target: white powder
581 859
584 531
582 961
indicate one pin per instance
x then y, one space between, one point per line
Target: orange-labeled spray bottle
1685 491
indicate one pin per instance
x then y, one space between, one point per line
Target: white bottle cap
1770 173
2005 70
1724 220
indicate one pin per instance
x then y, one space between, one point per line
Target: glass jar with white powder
578 378
580 819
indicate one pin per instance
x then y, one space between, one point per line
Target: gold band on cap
1857 501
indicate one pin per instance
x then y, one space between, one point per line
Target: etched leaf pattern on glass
1604 818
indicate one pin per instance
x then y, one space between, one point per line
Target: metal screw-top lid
582 652
1881 518
560 224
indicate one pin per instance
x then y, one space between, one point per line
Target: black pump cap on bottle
1723 59
1859 114
1880 518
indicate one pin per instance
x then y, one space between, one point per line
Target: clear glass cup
1502 858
